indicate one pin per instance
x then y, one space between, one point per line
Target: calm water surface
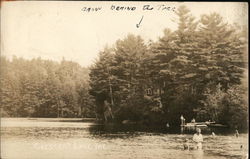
54 138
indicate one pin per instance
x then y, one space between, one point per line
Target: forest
44 88
198 71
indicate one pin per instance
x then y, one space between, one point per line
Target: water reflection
156 129
42 139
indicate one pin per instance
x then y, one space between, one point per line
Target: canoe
197 124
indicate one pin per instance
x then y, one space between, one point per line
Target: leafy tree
43 88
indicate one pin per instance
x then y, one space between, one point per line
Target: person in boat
237 133
182 120
193 120
198 139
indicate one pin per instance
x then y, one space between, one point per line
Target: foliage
42 88
190 71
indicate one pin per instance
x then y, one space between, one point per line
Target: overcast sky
57 29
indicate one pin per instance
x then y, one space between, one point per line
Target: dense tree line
195 71
43 88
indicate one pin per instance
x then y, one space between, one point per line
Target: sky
62 29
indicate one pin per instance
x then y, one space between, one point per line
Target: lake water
69 138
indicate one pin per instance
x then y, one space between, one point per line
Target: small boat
196 124
201 125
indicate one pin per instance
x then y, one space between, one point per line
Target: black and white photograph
124 80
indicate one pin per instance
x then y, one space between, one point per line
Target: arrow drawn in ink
138 25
